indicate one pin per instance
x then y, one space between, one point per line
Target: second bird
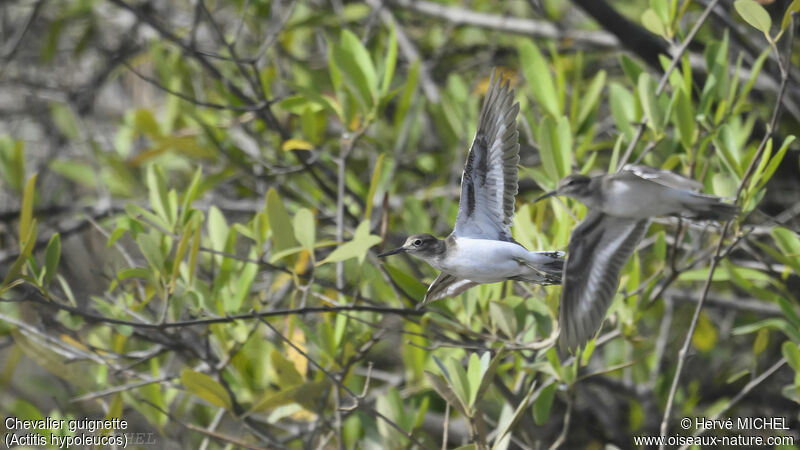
620 207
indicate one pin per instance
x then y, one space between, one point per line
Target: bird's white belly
483 260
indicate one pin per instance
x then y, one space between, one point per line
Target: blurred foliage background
194 193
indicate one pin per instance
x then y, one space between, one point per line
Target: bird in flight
480 249
620 207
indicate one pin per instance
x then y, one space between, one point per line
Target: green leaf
145 123
503 317
279 222
459 382
357 71
791 352
555 147
787 16
51 258
446 392
653 23
26 212
789 245
488 369
12 162
409 284
761 341
17 267
591 97
536 71
647 96
333 69
285 370
543 403
65 121
353 45
357 248
390 61
218 228
564 146
776 323
661 8
373 186
754 14
521 408
684 118
206 388
157 191
774 162
304 228
474 376
789 313
307 395
547 149
631 68
75 171
728 150
150 246
407 94
623 108
191 194
180 253
705 335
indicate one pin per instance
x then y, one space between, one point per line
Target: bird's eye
418 242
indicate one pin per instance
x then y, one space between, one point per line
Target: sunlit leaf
206 388
705 335
304 228
537 74
754 14
26 212
356 248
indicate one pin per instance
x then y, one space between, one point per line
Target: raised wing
598 249
446 285
662 177
489 182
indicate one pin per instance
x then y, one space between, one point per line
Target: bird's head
576 186
420 245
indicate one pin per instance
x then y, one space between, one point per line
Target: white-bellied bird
480 249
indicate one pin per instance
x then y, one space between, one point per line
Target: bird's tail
709 207
547 267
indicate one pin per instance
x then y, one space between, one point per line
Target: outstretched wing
489 182
663 177
598 249
446 285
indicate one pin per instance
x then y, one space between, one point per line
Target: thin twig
36 297
528 27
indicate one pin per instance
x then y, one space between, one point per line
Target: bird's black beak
392 252
549 194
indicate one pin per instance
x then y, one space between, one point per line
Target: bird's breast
481 260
